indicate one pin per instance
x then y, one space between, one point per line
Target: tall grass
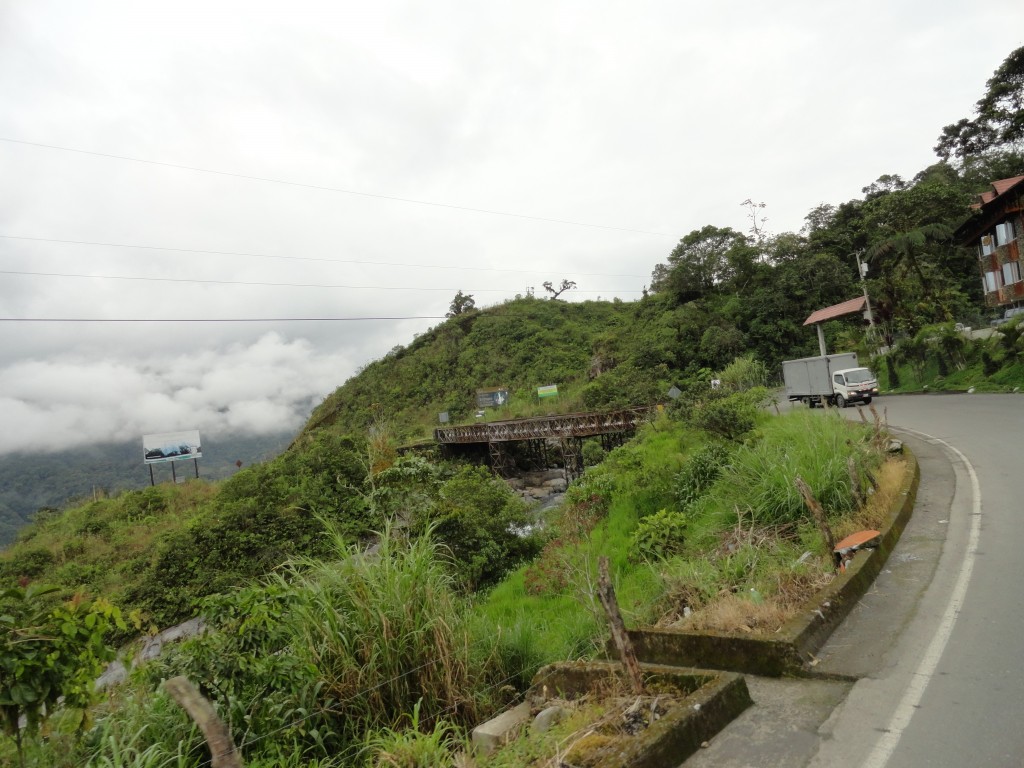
413 746
759 482
384 631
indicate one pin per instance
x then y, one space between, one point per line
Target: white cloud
267 387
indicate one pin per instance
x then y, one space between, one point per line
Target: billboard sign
171 446
551 390
495 397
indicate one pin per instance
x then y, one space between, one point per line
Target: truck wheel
840 401
810 402
867 401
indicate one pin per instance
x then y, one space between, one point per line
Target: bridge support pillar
572 457
501 462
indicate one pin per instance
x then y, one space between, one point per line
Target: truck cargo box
812 376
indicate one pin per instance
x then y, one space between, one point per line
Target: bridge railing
563 426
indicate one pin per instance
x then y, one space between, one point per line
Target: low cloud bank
265 387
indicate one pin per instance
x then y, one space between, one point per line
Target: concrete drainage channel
703 672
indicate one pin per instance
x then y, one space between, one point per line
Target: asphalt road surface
928 670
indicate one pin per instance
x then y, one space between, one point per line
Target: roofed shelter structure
851 307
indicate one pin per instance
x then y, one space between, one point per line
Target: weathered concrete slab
707 702
499 730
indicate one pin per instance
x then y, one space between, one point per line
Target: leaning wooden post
851 467
622 642
223 753
878 424
817 513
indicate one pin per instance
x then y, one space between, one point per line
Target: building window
1011 272
988 245
1004 233
993 282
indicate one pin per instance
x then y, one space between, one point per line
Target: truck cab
853 385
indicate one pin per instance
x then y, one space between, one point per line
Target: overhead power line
309 258
324 188
268 284
210 319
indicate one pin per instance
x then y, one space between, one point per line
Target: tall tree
565 285
463 302
704 260
999 121
910 251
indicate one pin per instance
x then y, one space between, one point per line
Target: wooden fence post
851 467
223 753
622 642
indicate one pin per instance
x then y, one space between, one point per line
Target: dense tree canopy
999 120
703 260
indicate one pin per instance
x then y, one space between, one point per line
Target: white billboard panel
172 446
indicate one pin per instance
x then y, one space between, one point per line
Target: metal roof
1000 188
837 310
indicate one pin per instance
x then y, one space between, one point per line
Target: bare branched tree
562 288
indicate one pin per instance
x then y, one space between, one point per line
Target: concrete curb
788 651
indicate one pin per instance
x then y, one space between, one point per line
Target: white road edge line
929 661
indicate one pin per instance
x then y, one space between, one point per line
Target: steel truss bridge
537 434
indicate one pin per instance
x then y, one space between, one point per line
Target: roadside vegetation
944 358
330 659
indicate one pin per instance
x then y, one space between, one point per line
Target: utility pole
862 270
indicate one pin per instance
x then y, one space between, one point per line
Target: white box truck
836 379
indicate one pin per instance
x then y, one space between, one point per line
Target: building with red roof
997 231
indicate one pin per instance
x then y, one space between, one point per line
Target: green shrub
94 526
621 387
699 473
483 523
136 505
245 663
658 536
729 417
593 453
743 373
988 363
26 563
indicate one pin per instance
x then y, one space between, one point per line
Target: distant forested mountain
31 481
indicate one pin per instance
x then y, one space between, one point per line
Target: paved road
937 647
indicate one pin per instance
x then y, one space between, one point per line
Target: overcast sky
379 156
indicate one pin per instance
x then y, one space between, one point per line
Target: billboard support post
196 462
151 481
174 475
